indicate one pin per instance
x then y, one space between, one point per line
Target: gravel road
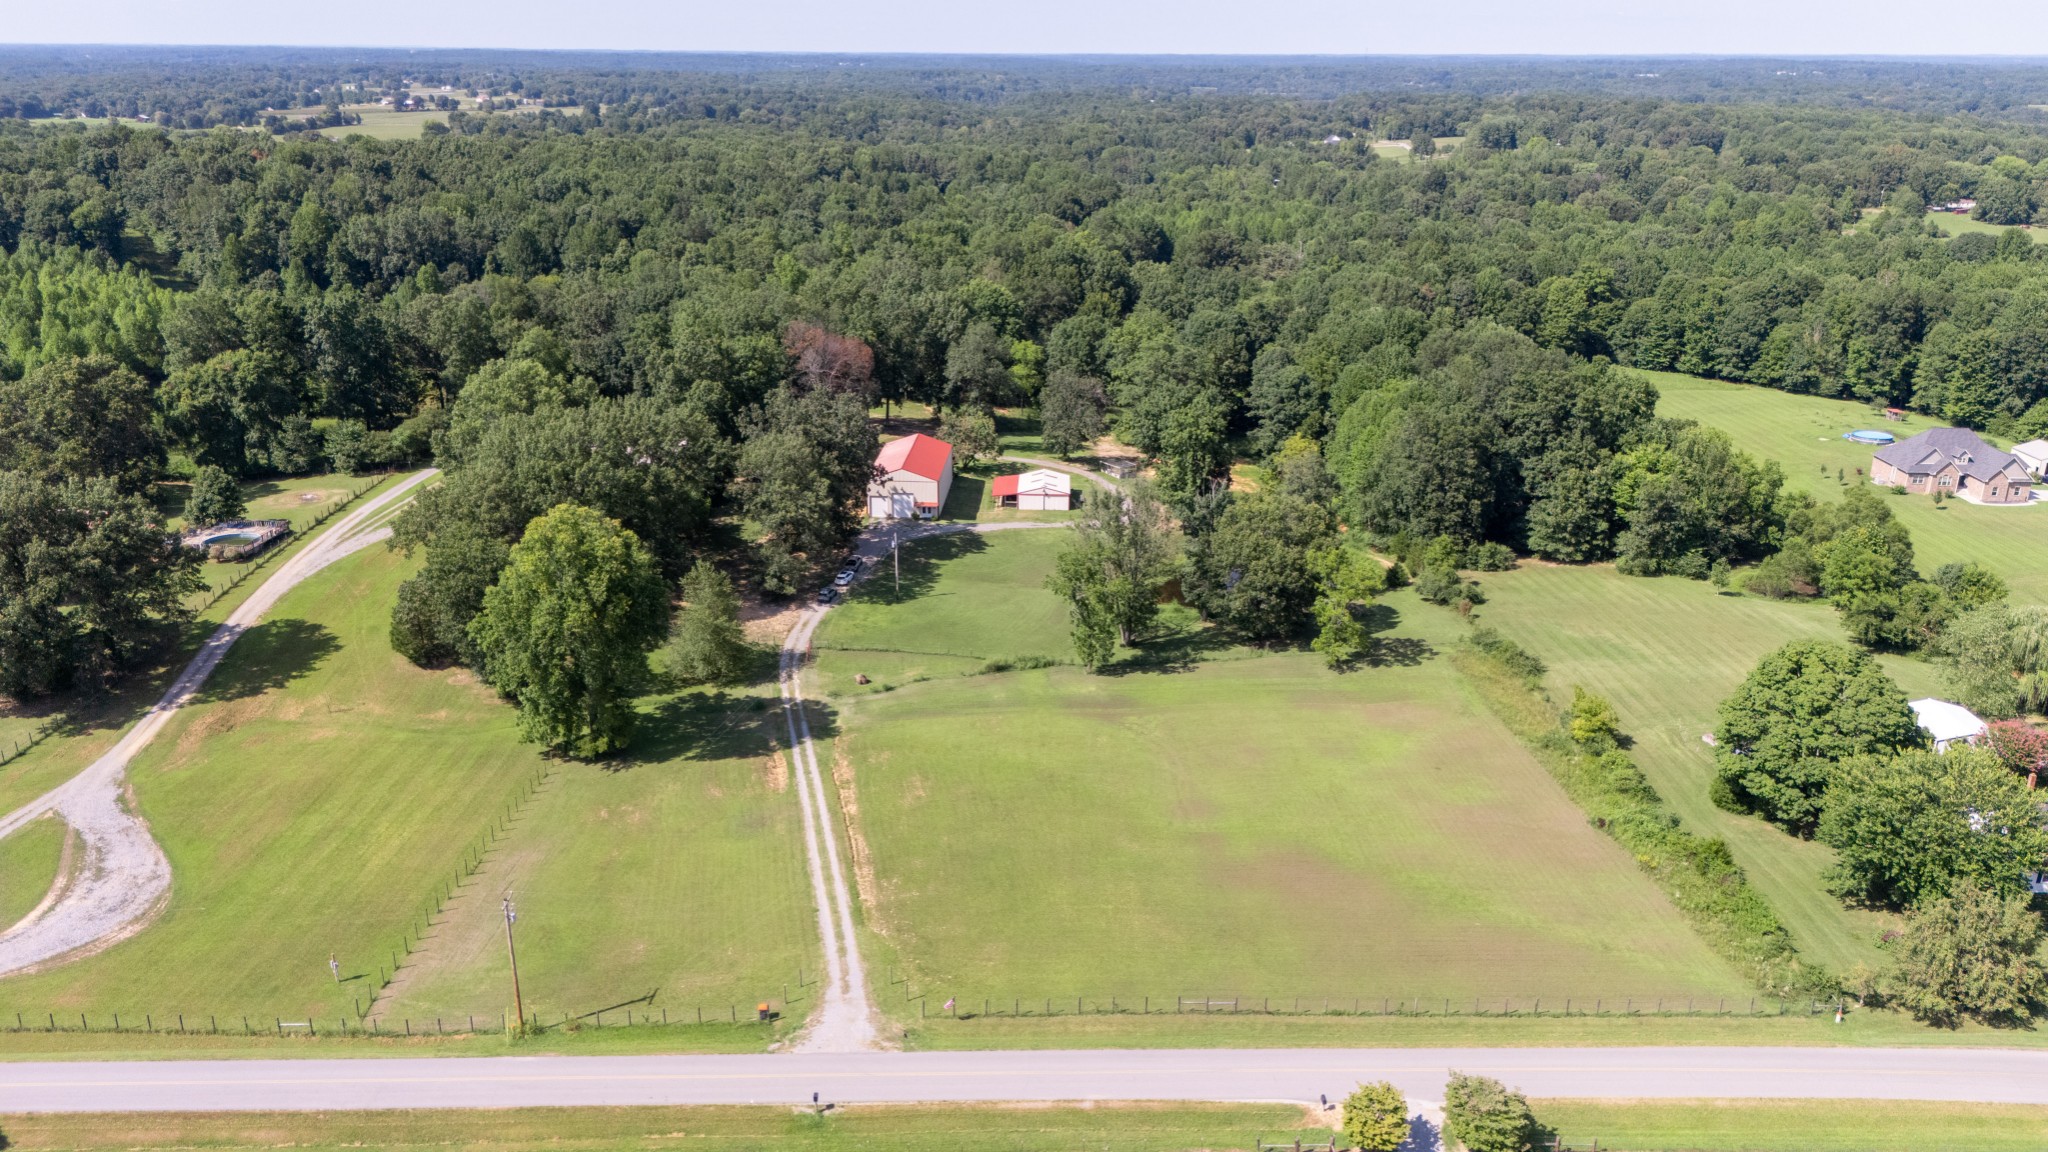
121 878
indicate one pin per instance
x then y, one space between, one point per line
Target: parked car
827 595
844 577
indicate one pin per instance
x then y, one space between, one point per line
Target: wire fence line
474 856
934 1006
304 1025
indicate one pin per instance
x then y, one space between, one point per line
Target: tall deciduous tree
88 579
1122 553
1253 569
1907 827
215 497
1483 1115
1804 709
708 645
79 417
1970 955
1070 412
802 479
1997 659
566 630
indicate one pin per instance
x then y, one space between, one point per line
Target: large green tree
566 629
1255 569
79 417
1907 827
802 479
1482 1114
1997 659
650 465
1972 954
1803 710
1122 552
1376 1117
89 581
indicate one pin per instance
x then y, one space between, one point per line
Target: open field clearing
326 791
1804 435
1796 1125
1255 826
1126 1127
1666 651
1954 225
385 124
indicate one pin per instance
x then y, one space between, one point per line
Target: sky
1557 27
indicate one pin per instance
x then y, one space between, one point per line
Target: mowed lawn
1796 1125
29 862
1253 825
862 1128
674 873
1804 435
326 789
1667 651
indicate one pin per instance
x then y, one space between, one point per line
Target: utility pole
896 563
518 1004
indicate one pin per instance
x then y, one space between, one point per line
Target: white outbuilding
1039 490
2033 455
1947 724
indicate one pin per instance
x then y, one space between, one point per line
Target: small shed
2033 455
1947 724
1121 467
1039 490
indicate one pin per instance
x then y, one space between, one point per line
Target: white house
2033 455
1947 723
912 477
1039 490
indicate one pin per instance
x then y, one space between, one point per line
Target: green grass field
909 1128
87 724
1215 821
1804 435
1796 1125
1666 651
325 788
1954 225
29 862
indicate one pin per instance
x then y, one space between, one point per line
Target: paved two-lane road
2002 1076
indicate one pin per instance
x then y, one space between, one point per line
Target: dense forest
674 296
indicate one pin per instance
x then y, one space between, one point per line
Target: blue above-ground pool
1869 436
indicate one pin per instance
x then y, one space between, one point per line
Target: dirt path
845 1020
122 879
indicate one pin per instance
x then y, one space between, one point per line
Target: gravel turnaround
121 877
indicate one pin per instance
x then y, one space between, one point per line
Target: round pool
228 539
1869 436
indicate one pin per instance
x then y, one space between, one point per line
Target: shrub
1490 557
1483 1115
1376 1117
1592 722
1511 655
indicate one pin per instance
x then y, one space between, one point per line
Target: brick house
1956 461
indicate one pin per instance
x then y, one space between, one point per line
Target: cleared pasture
1218 821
